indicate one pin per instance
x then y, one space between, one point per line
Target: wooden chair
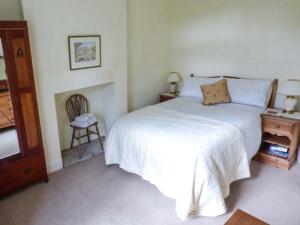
77 105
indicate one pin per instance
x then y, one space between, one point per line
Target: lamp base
173 88
288 112
289 104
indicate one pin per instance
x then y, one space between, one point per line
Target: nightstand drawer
275 161
272 160
279 127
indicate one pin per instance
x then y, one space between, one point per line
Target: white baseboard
54 166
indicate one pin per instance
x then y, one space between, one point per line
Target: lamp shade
291 88
173 77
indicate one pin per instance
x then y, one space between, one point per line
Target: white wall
148 51
10 10
257 38
50 23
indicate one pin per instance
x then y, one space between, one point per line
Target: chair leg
72 141
88 135
79 144
99 137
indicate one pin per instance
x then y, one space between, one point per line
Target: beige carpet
89 193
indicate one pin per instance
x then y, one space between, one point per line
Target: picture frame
84 51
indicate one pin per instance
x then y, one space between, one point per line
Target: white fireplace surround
104 98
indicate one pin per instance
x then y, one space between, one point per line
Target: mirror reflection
9 144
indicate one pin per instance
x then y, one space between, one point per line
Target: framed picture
84 51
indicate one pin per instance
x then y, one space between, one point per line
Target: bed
190 152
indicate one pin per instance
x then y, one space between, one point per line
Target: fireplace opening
101 105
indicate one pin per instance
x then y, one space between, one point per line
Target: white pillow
250 92
191 86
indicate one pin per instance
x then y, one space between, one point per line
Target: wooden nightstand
283 130
166 96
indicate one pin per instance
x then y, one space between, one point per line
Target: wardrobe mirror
9 144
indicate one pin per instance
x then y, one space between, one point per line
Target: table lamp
291 89
173 78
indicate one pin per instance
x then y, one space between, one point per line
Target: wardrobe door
24 90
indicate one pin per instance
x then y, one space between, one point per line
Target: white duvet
189 151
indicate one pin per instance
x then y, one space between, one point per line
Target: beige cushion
215 93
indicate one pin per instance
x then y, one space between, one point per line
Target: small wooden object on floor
242 218
280 129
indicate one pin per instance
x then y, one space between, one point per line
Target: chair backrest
76 105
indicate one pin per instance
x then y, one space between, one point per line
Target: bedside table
283 130
167 96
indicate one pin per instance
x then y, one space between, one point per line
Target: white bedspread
190 158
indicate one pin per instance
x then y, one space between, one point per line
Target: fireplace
101 103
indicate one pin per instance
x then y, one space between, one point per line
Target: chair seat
86 122
84 127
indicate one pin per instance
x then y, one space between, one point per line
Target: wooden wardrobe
28 166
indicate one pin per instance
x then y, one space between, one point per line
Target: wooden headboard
274 88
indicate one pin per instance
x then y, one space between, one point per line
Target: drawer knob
277 126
